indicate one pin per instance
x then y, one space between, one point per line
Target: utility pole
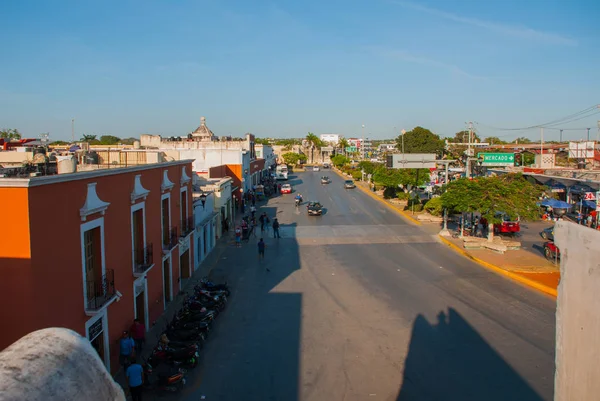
541 146
561 136
588 134
73 130
598 135
470 138
362 144
403 157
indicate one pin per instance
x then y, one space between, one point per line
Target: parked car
349 184
286 189
548 233
507 226
316 168
551 251
325 165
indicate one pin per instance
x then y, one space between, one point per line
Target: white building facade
331 139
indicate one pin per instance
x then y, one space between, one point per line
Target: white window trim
135 208
146 316
181 195
162 228
170 259
104 316
99 222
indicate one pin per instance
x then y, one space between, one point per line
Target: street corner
518 265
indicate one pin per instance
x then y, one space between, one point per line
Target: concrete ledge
430 218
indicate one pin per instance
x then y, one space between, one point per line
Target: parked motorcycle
206 284
164 377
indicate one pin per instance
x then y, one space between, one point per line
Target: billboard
411 160
581 150
497 159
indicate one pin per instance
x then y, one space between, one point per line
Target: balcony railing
170 239
144 258
187 226
100 292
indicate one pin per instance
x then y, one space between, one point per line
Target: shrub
403 195
434 206
357 175
417 207
389 193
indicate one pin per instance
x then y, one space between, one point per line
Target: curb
402 213
514 276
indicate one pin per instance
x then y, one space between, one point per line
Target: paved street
360 305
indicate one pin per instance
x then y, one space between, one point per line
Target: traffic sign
497 159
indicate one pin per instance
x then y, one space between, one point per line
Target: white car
316 168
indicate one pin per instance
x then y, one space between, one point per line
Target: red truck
507 226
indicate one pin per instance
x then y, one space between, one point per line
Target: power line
564 120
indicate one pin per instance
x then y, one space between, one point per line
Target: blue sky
288 67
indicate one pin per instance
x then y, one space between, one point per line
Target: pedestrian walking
135 379
238 237
276 228
253 210
264 221
126 349
138 333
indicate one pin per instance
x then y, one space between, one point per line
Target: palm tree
88 138
313 141
343 143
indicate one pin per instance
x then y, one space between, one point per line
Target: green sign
351 149
497 159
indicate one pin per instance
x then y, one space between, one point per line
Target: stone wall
578 314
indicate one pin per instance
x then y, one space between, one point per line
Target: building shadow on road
450 360
253 351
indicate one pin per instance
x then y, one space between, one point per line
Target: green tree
59 143
463 137
343 144
128 141
313 142
10 133
510 193
434 206
339 160
293 158
368 167
88 138
494 140
523 140
262 141
109 140
421 140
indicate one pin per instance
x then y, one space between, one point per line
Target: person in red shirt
138 333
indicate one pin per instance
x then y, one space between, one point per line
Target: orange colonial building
93 250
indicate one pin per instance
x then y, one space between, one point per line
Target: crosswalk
355 234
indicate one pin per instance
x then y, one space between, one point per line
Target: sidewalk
520 265
208 268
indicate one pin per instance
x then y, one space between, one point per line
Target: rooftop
34 181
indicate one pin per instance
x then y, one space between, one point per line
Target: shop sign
589 196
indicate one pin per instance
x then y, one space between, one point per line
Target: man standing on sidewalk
264 221
276 228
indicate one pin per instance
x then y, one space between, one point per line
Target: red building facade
93 250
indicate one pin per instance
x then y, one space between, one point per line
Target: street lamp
403 132
362 144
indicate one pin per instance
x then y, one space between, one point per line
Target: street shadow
252 353
450 360
539 249
294 181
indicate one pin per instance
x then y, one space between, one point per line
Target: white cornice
93 204
139 192
84 175
167 184
184 177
